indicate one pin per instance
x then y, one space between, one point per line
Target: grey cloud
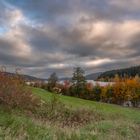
69 33
56 10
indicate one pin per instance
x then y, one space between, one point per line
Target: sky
45 36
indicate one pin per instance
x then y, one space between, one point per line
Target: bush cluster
14 93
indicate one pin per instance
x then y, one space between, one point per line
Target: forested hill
130 72
25 77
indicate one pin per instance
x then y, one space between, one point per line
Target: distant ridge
65 78
93 76
25 77
130 72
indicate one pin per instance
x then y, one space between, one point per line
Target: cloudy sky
43 36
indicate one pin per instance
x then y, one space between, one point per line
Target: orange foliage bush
14 94
123 89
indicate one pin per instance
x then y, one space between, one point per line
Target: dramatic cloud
45 36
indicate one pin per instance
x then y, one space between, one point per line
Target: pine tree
52 81
79 81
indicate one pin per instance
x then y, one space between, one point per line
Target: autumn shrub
14 94
126 89
97 90
107 94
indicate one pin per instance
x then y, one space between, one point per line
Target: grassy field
118 123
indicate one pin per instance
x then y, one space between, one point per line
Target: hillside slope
117 123
130 113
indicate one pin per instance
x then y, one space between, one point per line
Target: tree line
124 90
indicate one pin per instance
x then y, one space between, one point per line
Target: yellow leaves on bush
123 89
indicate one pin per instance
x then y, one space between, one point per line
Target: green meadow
115 123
